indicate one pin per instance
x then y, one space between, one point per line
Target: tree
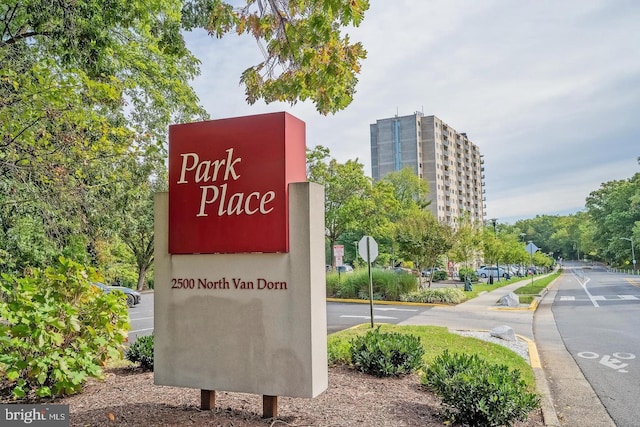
513 250
307 54
423 239
134 206
83 85
346 189
375 216
467 240
491 246
615 212
409 189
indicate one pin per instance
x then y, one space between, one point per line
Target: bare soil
128 397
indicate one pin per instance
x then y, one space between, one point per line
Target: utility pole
633 253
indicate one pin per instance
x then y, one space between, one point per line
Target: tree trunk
142 272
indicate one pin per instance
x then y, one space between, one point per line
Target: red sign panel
228 183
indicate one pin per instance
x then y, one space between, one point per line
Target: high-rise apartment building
451 165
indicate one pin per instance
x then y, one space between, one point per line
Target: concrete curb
568 381
549 415
363 301
532 307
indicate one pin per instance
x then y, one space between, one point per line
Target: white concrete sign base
253 323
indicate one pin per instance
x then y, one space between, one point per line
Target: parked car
485 272
133 297
515 270
428 271
402 270
344 269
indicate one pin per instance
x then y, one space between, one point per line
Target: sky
548 90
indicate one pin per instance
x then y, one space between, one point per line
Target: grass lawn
537 286
527 293
483 287
435 339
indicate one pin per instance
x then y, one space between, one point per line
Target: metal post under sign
368 249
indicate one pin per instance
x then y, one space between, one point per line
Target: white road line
395 309
368 317
140 330
602 298
139 318
584 287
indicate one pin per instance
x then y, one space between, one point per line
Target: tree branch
21 36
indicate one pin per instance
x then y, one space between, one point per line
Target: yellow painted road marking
534 358
633 282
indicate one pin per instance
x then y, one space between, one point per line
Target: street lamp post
493 221
356 258
523 235
633 254
533 249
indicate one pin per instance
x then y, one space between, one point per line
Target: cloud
549 91
558 193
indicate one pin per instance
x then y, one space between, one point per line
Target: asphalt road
596 313
141 317
342 315
339 315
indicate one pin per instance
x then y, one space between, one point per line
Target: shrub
478 393
338 351
386 354
439 275
141 352
467 272
57 329
436 296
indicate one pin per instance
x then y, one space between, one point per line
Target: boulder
510 300
503 332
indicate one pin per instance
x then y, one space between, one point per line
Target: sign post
338 253
368 249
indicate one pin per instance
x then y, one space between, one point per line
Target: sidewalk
480 313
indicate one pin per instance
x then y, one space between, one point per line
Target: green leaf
13 375
43 391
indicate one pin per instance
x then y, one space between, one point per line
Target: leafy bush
439 275
436 296
57 330
338 351
385 354
467 272
141 352
478 393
